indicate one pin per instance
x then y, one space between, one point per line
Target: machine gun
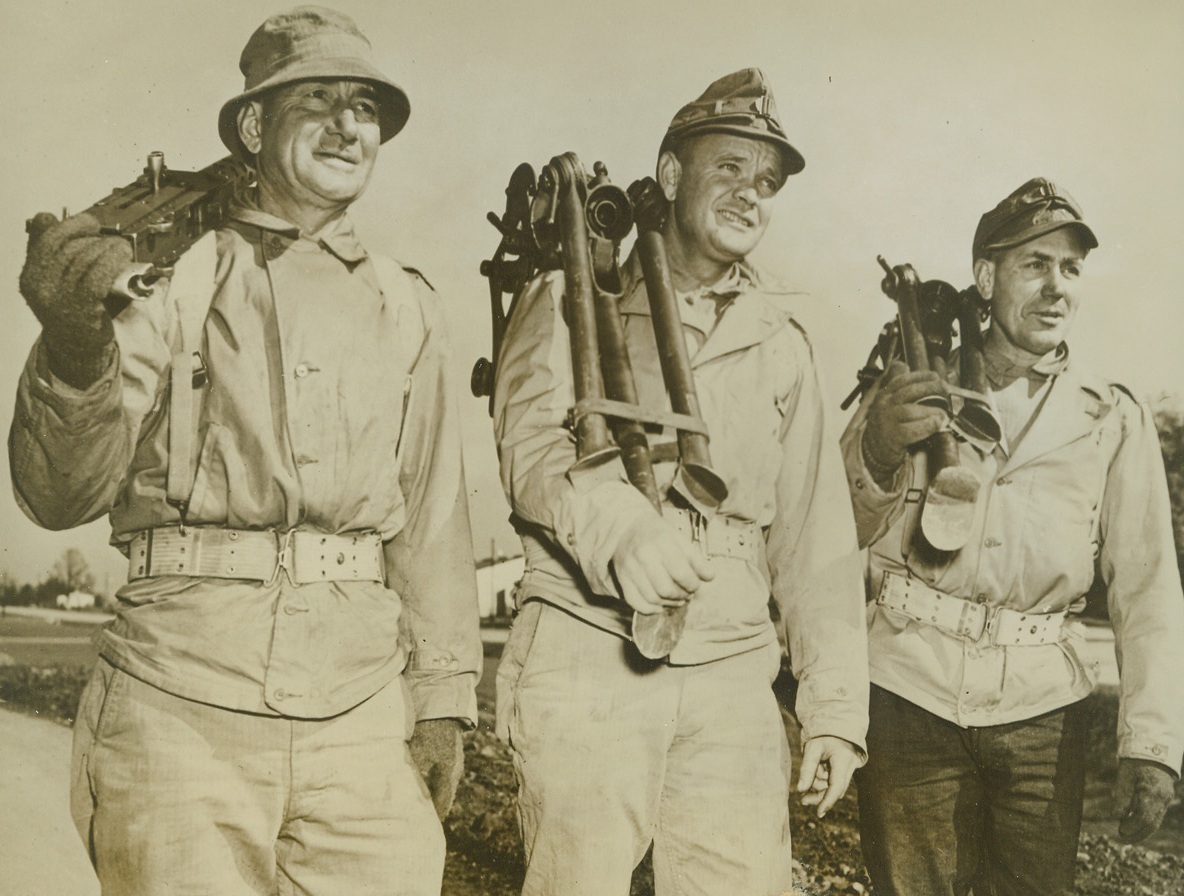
922 334
575 222
163 212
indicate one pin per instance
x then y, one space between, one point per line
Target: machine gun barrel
948 509
707 489
571 221
563 179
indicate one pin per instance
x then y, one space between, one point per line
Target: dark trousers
946 810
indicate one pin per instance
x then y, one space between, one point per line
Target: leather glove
1142 794
895 419
655 567
69 270
438 751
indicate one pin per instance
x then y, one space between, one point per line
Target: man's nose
345 122
748 192
1054 281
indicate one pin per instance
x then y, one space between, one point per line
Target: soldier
615 752
310 603
977 738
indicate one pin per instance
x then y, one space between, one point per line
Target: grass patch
49 691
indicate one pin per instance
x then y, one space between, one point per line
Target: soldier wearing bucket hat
688 754
979 671
274 435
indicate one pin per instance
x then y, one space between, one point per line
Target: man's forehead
1062 243
341 85
718 144
724 143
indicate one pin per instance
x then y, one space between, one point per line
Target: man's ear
250 126
669 172
984 277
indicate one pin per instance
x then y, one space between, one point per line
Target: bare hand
827 766
656 567
1143 793
896 419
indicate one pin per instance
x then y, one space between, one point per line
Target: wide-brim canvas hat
1030 211
310 42
740 103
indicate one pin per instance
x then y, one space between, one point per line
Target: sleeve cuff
1165 754
439 688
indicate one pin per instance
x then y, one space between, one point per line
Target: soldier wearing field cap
616 752
978 734
279 703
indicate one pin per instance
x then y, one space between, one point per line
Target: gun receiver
163 212
922 334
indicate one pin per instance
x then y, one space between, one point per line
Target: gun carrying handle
135 282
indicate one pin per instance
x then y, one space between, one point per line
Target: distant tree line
70 573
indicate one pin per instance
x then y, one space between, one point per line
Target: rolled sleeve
430 560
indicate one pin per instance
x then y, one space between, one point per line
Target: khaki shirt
328 408
1085 485
771 442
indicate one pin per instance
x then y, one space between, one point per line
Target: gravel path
39 849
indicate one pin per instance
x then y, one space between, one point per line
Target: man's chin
339 189
736 249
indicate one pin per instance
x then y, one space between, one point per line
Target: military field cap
306 43
739 103
1036 208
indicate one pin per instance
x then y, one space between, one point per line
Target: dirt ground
484 856
485 848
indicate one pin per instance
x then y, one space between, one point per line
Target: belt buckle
285 555
991 629
982 621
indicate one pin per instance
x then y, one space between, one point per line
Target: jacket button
301 370
279 694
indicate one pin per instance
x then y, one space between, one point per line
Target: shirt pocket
1059 496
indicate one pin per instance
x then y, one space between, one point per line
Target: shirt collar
735 280
338 237
738 279
999 370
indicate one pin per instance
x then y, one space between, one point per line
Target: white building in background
76 600
496 578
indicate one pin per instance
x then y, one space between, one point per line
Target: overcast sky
913 117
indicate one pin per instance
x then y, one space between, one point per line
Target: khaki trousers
613 753
177 797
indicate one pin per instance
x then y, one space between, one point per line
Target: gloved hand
438 751
69 270
1143 793
895 420
655 567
